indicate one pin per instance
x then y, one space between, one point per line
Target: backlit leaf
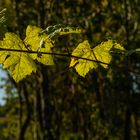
19 64
83 66
100 55
59 29
103 51
40 43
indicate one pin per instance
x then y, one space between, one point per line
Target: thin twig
52 53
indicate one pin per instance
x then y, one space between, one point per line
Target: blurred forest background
56 103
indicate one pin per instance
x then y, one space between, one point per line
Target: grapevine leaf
40 43
19 64
65 31
100 55
83 66
59 29
103 51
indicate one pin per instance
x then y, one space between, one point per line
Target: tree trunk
29 112
48 109
127 124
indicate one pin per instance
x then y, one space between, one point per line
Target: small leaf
19 64
40 43
58 30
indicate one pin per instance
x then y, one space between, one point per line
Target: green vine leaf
41 43
58 30
83 66
103 51
19 64
100 55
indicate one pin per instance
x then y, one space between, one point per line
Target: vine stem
52 53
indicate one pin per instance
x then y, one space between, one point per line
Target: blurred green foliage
103 106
